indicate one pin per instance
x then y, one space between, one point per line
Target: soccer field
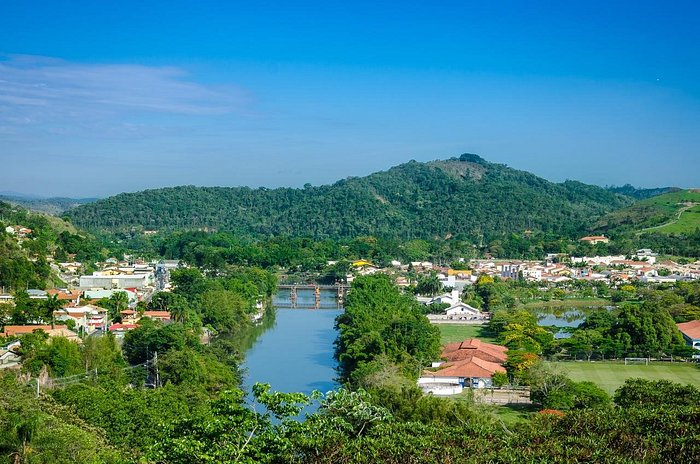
611 375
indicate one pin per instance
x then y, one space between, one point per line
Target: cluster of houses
642 266
19 231
471 363
79 307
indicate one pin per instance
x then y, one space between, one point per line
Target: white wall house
462 310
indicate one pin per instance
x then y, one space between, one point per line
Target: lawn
611 375
457 332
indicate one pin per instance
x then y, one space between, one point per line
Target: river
295 353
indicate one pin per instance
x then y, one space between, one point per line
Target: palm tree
52 304
19 436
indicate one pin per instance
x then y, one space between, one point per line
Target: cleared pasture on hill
611 375
688 221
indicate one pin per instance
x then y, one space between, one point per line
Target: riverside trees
380 328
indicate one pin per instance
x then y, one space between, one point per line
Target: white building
98 280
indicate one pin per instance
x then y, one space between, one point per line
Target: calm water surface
565 318
296 353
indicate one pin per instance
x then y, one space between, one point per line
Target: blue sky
100 97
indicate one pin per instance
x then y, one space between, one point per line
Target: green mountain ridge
641 193
54 205
465 196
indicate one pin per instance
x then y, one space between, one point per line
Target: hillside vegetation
670 213
641 194
53 206
464 197
24 261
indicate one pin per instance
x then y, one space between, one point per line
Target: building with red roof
474 348
470 364
691 334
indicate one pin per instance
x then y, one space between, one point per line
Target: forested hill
463 196
53 206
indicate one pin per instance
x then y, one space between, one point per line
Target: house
87 318
17 330
8 358
129 316
594 239
56 331
64 295
474 348
450 378
36 294
63 331
132 296
120 329
163 316
446 298
470 364
691 334
118 281
463 311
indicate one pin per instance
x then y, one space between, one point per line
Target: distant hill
641 194
459 197
54 206
24 260
676 212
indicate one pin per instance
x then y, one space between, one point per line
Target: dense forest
463 197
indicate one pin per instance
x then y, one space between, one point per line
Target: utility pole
37 387
155 364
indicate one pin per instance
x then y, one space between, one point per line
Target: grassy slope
653 212
688 221
611 375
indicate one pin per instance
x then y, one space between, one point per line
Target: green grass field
688 222
457 332
611 375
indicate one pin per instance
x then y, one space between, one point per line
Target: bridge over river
316 291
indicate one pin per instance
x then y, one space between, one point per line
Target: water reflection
295 352
565 317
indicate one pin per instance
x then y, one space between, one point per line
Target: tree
655 394
150 336
428 285
225 310
585 341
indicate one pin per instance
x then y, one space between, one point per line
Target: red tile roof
473 367
61 295
594 237
690 329
157 314
13 330
122 327
474 348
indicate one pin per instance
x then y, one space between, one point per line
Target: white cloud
49 92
